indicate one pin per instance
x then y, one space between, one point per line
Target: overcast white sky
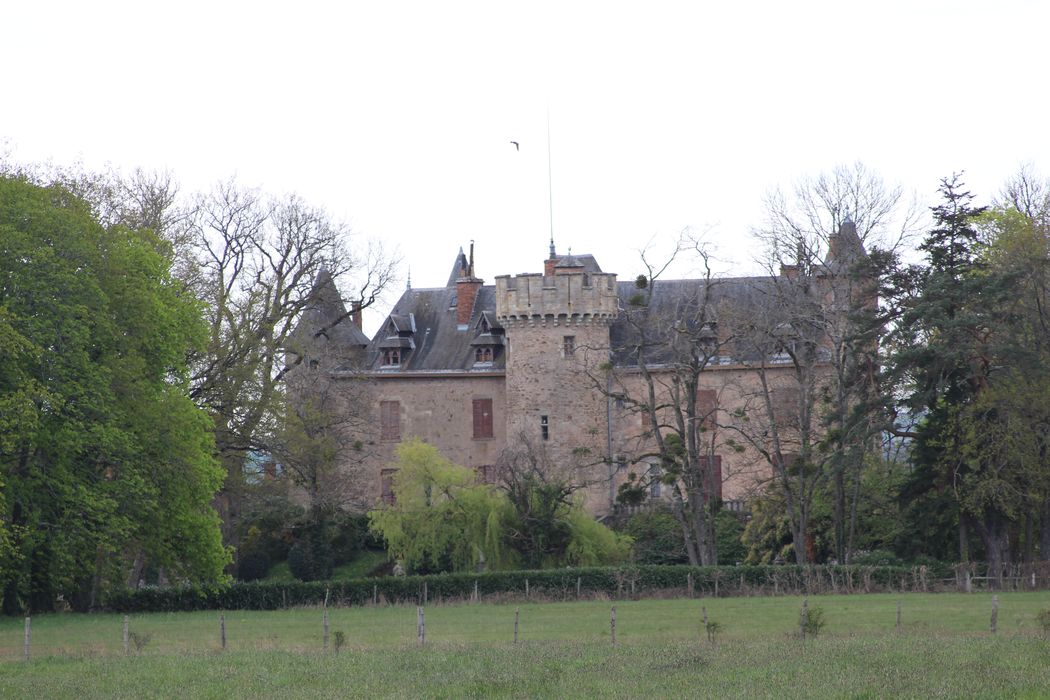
397 117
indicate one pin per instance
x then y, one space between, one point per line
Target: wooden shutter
482 418
386 485
717 476
706 404
390 420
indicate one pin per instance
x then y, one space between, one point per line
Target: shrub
812 621
876 557
657 537
139 640
1043 620
253 565
309 562
548 583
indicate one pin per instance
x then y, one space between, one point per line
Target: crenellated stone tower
557 328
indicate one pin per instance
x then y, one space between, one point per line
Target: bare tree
254 263
1027 192
670 333
884 215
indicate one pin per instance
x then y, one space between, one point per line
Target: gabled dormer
488 339
398 341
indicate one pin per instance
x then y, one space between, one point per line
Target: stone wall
438 409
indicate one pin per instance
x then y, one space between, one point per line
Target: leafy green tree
103 456
442 519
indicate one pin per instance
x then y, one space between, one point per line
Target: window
482 418
386 486
706 405
544 428
785 401
485 474
568 346
390 420
483 354
392 357
715 463
655 474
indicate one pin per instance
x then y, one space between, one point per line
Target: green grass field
945 650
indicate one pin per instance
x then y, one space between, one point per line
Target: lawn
945 649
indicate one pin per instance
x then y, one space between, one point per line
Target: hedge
556 584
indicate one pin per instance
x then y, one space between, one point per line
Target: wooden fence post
375 595
516 613
995 614
803 618
898 617
324 621
578 579
475 590
612 624
27 638
222 630
422 627
706 628
689 583
526 589
126 623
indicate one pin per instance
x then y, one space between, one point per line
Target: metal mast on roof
550 187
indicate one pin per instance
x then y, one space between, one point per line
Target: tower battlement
575 295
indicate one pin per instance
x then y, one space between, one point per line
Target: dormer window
392 357
488 341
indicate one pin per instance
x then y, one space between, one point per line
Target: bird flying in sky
516 146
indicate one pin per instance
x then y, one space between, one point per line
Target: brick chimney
355 315
467 287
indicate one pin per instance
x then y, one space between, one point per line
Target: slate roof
326 310
439 344
424 321
675 300
586 261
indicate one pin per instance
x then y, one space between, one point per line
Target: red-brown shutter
386 485
482 418
390 420
716 476
706 403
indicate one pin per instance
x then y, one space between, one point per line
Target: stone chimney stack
467 287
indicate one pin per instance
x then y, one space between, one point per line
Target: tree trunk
687 537
1044 531
137 565
964 541
995 536
854 503
840 514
